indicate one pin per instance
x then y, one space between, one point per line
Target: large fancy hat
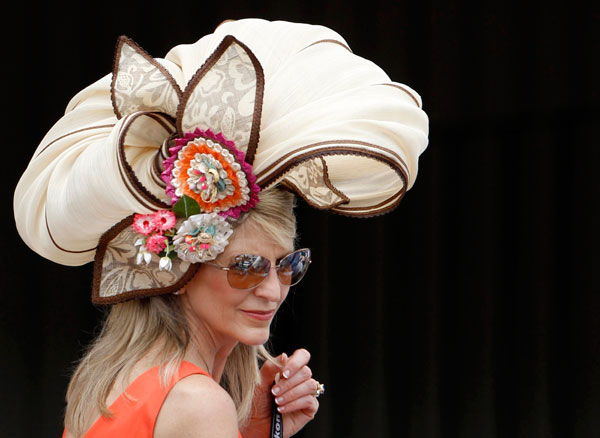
151 166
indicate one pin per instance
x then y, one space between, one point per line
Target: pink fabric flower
168 165
156 243
144 224
164 220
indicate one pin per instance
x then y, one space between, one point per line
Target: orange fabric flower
187 154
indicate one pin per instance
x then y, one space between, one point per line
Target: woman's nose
270 288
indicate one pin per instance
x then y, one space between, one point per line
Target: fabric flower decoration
202 237
158 230
156 243
211 170
144 224
208 180
143 254
164 220
165 263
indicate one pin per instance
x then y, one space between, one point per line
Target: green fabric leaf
186 207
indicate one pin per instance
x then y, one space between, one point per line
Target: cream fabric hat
302 110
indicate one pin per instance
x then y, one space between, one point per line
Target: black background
470 311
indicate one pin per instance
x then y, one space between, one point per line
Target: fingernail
275 390
281 409
286 373
279 400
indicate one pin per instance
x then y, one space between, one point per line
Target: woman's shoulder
197 406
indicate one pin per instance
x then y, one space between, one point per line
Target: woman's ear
180 291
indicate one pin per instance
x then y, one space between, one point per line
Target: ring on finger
320 390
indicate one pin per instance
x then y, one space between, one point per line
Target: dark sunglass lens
248 271
293 267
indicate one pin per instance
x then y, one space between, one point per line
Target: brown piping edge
376 206
273 178
154 202
161 155
105 240
56 244
117 56
335 142
379 212
399 87
292 187
329 41
335 150
330 185
71 133
128 185
258 103
335 208
195 79
168 123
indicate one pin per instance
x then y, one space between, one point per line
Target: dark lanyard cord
276 423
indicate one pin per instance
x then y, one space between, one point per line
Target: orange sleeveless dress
135 414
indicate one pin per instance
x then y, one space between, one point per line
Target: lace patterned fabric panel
140 85
223 100
309 179
121 274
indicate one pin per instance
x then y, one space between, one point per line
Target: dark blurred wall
470 311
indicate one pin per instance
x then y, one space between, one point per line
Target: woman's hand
294 394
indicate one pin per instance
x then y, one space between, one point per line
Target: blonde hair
131 329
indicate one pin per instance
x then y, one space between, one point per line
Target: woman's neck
205 352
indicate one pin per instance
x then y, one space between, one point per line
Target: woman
204 323
174 176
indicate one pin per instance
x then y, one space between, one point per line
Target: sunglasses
247 271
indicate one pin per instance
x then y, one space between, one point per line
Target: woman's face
231 315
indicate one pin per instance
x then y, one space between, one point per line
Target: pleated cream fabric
324 123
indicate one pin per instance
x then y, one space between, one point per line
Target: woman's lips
261 315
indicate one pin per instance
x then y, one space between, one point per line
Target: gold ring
320 390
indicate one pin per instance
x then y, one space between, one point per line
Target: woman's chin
256 337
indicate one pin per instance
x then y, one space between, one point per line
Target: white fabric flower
202 237
143 254
165 263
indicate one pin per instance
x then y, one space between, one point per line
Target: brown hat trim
258 102
136 188
413 97
379 212
71 133
292 187
339 43
344 150
56 244
378 207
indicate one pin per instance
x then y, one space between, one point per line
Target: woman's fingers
294 372
307 388
308 405
270 370
295 363
295 392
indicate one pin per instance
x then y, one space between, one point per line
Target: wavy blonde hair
132 329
